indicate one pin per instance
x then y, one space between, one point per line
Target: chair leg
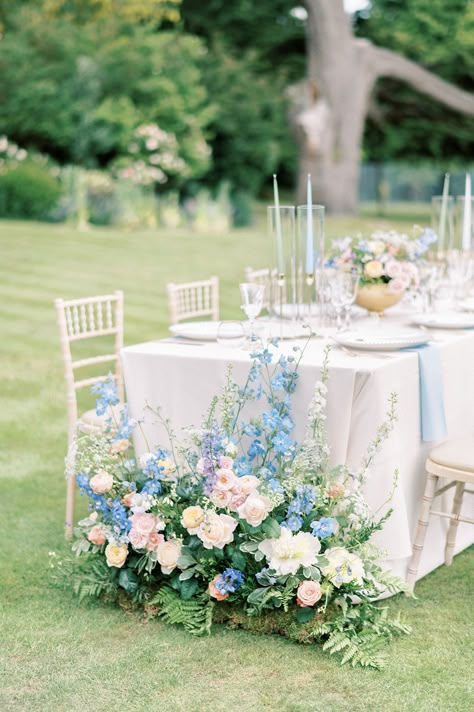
423 519
453 526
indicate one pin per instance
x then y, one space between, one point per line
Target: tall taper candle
278 236
467 218
443 215
309 263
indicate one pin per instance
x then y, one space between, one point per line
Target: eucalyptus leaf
271 528
249 546
187 574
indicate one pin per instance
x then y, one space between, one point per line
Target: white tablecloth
181 378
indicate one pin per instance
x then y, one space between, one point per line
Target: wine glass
252 303
343 289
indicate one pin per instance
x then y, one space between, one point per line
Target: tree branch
385 63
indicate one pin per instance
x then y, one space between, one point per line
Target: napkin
433 417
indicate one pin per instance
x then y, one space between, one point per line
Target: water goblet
252 303
343 289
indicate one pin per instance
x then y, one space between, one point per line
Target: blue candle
309 230
278 236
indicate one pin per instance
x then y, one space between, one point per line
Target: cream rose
373 269
225 479
308 593
168 553
220 498
226 462
192 518
217 530
119 446
97 535
255 509
116 554
102 482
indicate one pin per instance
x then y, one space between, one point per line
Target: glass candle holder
442 222
281 225
309 255
463 224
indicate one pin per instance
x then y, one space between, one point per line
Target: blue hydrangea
324 527
229 581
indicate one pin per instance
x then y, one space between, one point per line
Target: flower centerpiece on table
239 524
386 261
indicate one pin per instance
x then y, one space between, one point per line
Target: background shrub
28 191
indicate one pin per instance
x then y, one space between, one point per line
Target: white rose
255 509
168 553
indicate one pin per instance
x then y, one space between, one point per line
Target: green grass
59 655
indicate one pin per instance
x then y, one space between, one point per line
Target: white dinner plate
200 330
289 311
388 341
468 305
446 320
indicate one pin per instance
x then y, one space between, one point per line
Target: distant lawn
57 655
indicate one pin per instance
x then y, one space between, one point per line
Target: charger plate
388 341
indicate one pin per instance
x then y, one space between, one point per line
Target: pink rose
255 509
97 535
226 462
101 482
308 593
238 497
336 490
249 483
393 269
220 498
397 285
137 539
213 592
225 479
143 522
154 540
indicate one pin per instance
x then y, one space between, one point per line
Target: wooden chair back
190 300
86 319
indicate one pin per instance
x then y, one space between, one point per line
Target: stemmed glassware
343 288
252 303
430 275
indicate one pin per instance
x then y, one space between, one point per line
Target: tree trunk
329 108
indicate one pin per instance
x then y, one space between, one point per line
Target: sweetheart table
181 377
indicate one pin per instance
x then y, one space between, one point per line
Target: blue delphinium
324 527
229 581
108 394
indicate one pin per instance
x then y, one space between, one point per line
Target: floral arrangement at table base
387 264
238 525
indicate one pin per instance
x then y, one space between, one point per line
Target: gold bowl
377 297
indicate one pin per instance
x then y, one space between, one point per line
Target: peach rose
192 518
217 530
168 553
336 490
213 592
137 539
154 540
255 509
127 499
225 479
101 482
249 483
143 522
119 446
226 462
373 269
97 535
308 593
168 468
116 554
220 498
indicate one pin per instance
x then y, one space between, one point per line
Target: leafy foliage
195 615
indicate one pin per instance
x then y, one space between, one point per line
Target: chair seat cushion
457 453
90 422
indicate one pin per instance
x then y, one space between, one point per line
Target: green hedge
28 191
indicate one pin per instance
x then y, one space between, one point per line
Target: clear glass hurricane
252 303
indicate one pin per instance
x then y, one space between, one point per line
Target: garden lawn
59 655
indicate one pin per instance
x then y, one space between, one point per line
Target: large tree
329 108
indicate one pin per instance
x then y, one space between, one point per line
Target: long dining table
180 378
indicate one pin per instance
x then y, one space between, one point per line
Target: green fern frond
195 615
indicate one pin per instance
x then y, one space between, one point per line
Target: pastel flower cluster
387 257
241 513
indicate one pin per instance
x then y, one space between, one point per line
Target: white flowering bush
240 524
